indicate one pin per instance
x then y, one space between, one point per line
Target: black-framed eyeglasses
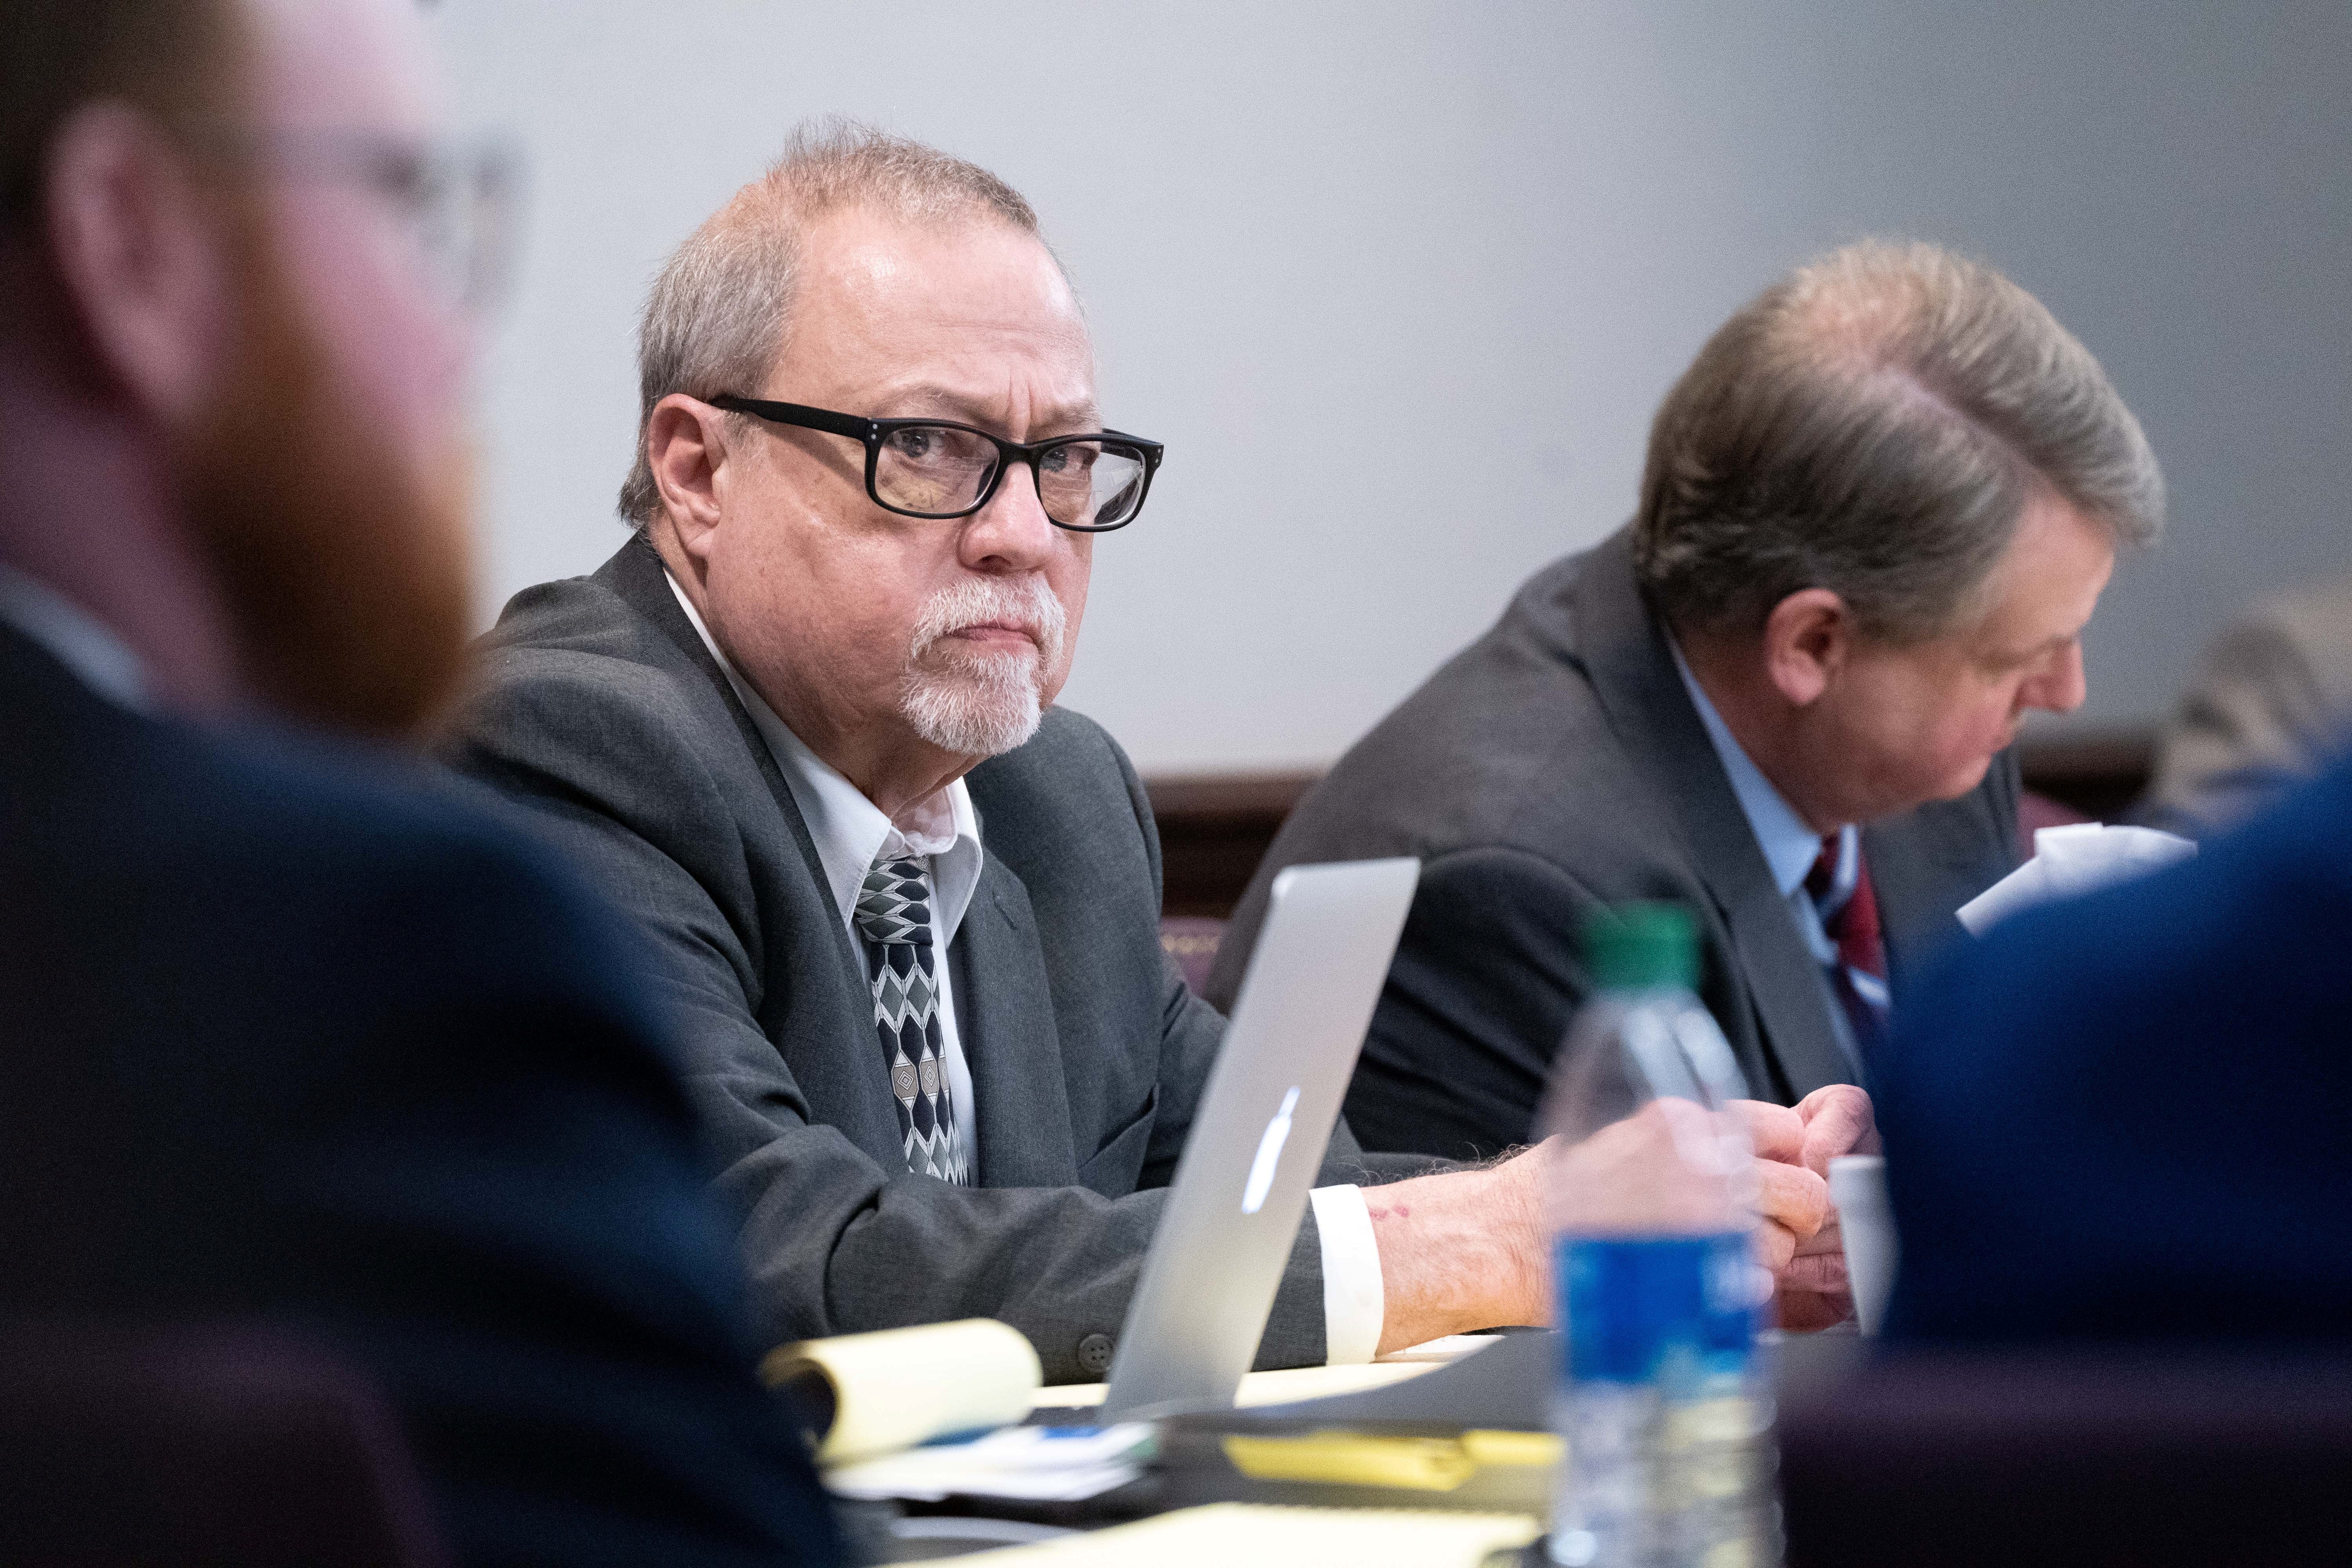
938 468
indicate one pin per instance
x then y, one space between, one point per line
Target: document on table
2080 857
1249 1535
1034 1464
1300 1381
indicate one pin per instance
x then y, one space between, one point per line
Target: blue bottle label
1653 1308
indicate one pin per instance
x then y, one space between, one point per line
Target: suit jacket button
1094 1353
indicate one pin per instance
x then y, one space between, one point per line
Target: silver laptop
1241 1187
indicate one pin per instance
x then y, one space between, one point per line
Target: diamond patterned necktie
1850 919
894 916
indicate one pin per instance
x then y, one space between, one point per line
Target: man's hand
1837 1119
1462 1250
1792 1199
1814 1292
1467 1250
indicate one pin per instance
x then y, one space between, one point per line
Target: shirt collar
74 637
1790 847
849 830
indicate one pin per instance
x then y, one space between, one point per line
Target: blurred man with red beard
286 1035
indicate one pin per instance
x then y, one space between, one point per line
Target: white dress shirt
1789 846
75 638
943 830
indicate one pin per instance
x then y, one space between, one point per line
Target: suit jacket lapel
823 1025
636 573
1006 1026
1625 655
1926 863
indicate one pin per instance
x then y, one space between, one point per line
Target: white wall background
1399 284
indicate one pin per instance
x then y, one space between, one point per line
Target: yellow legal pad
1250 1535
1424 1464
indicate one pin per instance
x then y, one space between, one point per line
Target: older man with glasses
802 722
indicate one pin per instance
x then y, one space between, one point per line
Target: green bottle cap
1633 946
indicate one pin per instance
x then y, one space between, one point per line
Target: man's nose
2060 688
1012 532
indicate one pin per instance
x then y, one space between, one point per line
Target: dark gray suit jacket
1557 763
603 714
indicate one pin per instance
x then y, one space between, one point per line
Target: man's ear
1808 639
141 256
685 448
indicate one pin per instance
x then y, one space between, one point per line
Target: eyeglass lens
457 210
453 204
938 470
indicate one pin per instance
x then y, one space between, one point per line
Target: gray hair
716 319
1874 423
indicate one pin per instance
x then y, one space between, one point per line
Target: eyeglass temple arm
1152 449
798 414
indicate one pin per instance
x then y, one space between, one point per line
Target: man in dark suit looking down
1877 512
802 723
286 1036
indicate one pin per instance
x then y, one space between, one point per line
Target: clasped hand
1626 1174
1465 1249
1799 1235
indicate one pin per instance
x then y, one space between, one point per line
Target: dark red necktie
1850 917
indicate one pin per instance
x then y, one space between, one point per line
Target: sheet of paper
1244 1535
2069 861
1269 1387
1034 1463
892 1478
1452 1347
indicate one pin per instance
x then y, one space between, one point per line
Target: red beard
346 571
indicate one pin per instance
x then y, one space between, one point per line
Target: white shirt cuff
1353 1302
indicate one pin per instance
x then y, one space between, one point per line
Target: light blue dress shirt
1790 847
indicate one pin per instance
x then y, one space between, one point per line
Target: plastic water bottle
1651 1202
